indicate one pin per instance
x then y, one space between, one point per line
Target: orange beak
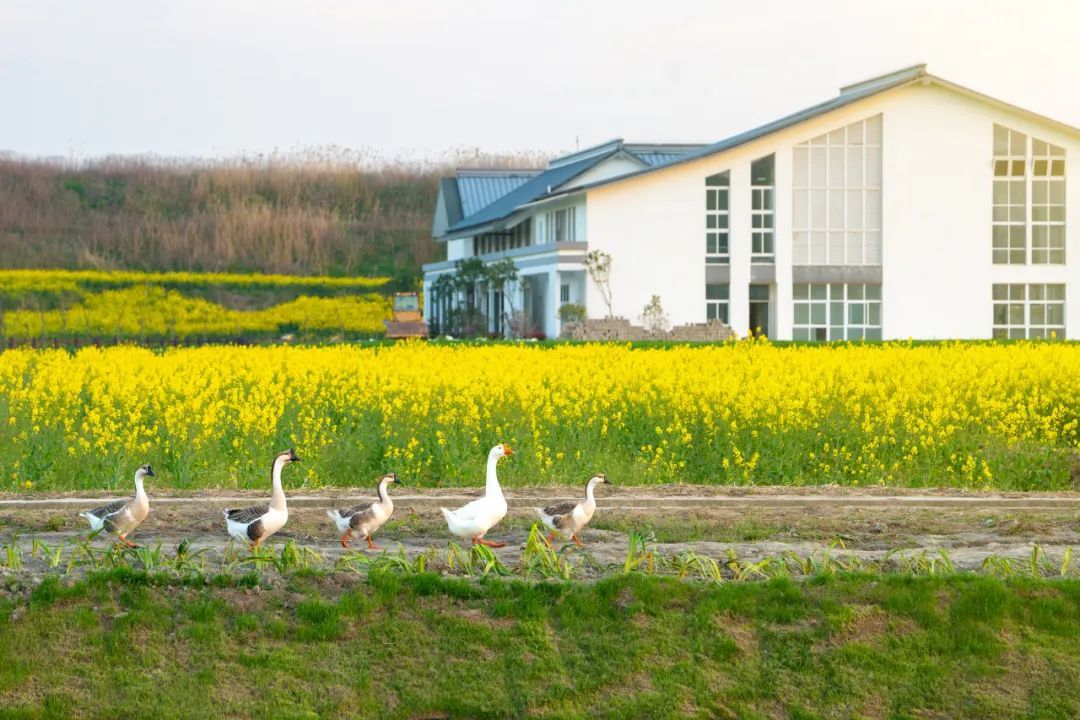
507 450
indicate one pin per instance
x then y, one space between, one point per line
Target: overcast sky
403 78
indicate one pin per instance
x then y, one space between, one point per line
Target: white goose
472 521
567 519
255 524
123 516
367 518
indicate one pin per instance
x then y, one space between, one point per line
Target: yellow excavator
407 320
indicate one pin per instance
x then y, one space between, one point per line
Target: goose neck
277 497
491 484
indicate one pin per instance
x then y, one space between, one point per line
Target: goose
255 524
567 519
123 516
367 518
472 521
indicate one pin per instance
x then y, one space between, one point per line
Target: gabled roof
535 187
496 206
479 188
849 94
470 190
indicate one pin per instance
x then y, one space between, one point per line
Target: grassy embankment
124 643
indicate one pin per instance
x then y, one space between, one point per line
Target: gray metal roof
533 188
479 191
658 158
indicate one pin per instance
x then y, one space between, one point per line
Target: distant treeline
329 217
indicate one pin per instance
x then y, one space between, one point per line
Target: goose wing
105 512
470 510
356 510
360 514
247 515
561 514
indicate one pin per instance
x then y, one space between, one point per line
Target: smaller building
498 215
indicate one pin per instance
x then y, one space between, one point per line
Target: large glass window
1010 197
716 301
837 311
837 194
762 207
1047 203
1029 311
1028 204
717 215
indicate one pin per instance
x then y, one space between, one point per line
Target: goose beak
293 457
150 472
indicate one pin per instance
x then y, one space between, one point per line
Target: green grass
129 644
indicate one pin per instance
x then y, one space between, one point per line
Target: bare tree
598 265
653 317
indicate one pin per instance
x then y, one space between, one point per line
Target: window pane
818 292
817 314
800 292
802 313
761 171
1001 140
1055 314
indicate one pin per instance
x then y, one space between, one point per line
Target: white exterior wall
612 167
458 249
936 221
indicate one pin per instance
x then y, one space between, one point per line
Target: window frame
829 310
718 219
763 213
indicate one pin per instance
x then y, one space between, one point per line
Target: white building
907 206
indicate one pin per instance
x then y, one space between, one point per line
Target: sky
410 79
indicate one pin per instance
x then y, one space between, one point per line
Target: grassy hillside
326 217
124 644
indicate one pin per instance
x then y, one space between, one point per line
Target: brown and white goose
123 516
365 519
255 524
567 519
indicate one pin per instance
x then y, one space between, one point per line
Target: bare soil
764 522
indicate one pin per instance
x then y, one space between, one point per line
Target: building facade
907 206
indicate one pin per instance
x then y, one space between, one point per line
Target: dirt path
754 525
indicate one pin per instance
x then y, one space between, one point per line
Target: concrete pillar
739 204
